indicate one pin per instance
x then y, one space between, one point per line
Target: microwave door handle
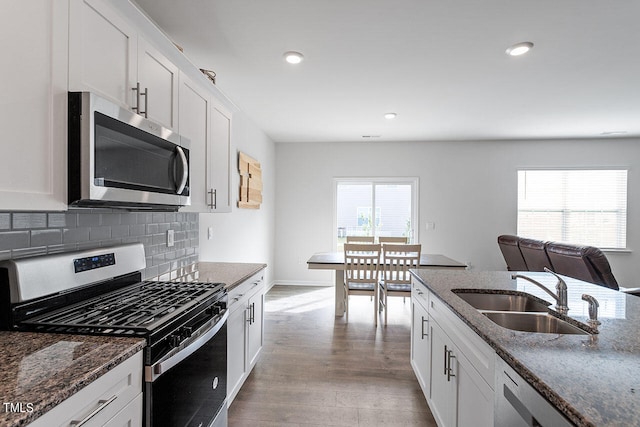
184 167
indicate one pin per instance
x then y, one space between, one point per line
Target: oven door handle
154 371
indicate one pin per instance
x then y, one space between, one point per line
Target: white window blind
578 206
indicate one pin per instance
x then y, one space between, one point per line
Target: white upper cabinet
108 48
103 51
195 124
207 124
108 56
33 107
219 159
158 78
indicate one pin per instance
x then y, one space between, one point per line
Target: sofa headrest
586 263
535 254
511 252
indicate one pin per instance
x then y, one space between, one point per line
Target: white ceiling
439 64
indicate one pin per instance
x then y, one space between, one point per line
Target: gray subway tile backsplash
14 240
28 220
46 237
24 234
5 221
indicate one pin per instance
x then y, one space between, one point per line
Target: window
579 206
375 207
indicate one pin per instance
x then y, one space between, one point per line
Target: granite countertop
41 370
593 380
229 273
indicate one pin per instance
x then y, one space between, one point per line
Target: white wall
468 189
245 235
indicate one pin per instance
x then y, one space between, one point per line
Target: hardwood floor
317 370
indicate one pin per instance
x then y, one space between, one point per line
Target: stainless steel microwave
117 158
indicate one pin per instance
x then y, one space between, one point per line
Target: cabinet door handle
248 311
101 405
137 91
146 102
137 108
446 353
213 197
450 369
253 313
423 322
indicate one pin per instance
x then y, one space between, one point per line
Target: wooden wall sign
250 182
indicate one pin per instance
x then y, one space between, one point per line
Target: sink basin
503 302
534 322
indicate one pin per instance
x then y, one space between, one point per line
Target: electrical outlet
170 238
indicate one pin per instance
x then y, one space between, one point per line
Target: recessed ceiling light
614 132
293 57
390 116
519 49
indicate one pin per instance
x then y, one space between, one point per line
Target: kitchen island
593 380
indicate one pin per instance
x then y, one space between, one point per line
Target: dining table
335 261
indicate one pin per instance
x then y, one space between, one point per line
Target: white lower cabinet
245 331
114 399
455 368
420 342
459 395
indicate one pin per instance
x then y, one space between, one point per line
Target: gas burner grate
137 308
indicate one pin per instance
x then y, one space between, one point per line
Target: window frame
579 169
373 181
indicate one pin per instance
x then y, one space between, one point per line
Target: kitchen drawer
100 401
129 416
239 295
420 293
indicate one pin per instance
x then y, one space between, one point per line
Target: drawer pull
423 322
101 405
450 369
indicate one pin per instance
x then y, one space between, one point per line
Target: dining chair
388 239
360 239
361 273
395 279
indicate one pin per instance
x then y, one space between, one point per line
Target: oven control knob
174 340
214 310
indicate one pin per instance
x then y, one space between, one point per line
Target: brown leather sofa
582 262
535 254
586 263
509 245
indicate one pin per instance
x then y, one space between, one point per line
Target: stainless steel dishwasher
519 404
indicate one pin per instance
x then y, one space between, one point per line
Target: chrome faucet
561 288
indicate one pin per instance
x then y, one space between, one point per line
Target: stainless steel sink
533 322
503 302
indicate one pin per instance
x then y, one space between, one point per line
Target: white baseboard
300 283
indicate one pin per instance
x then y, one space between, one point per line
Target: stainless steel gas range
100 292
